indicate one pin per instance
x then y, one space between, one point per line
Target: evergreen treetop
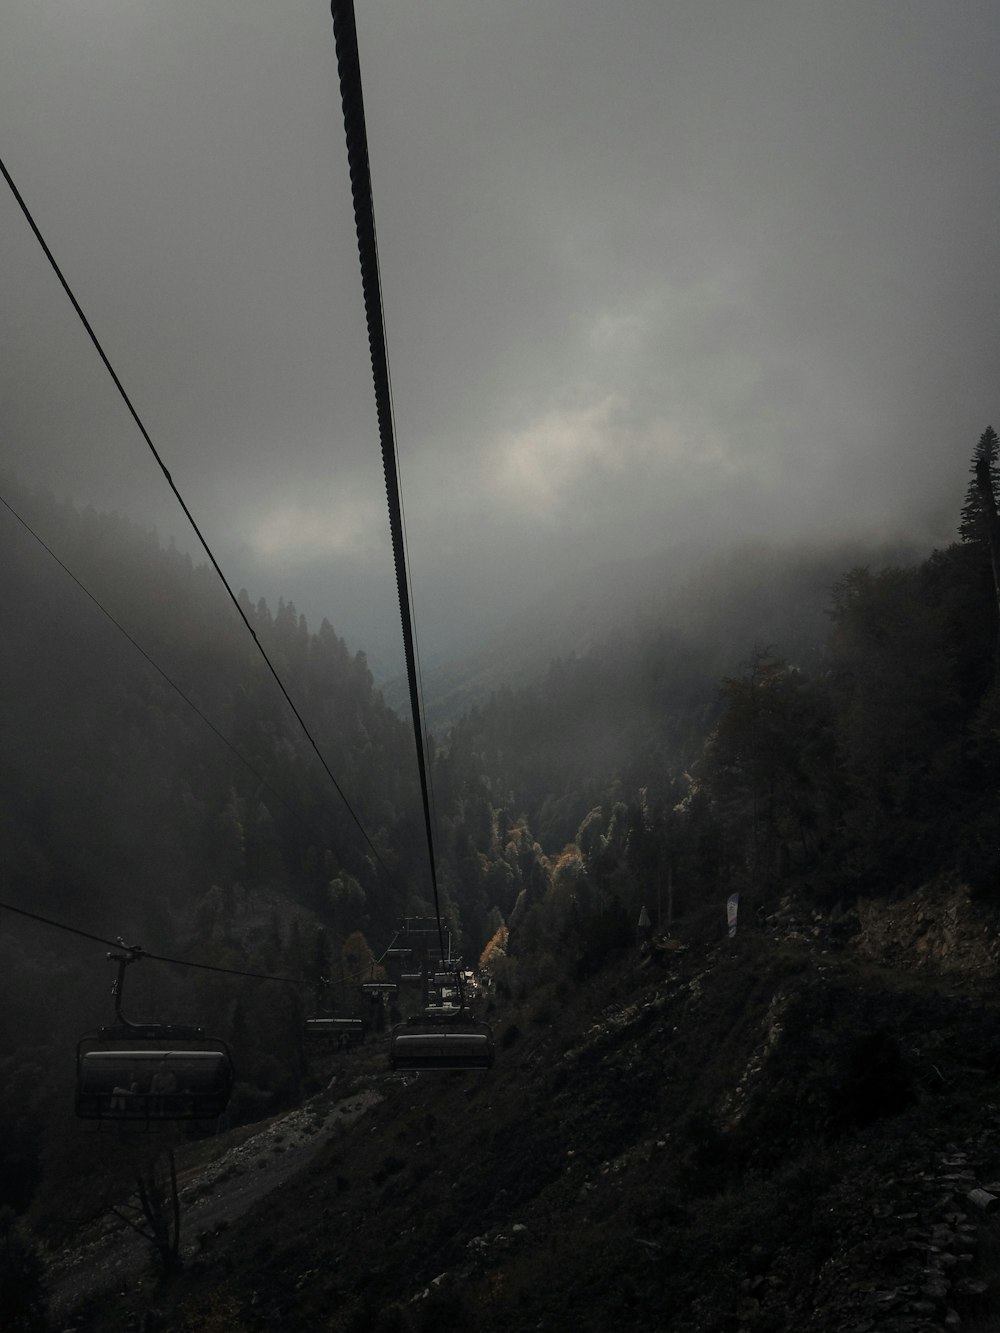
973 526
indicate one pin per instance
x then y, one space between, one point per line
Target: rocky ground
797 1129
111 1264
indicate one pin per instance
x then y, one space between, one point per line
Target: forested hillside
859 763
145 766
156 787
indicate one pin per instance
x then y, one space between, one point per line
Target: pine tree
974 525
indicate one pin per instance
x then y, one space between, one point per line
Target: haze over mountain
720 604
653 273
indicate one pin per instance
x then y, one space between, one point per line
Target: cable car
350 1031
324 1025
441 1040
425 935
379 987
417 925
150 1072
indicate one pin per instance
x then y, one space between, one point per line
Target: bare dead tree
154 1209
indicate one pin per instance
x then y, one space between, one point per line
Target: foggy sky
652 272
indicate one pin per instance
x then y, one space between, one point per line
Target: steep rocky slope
795 1129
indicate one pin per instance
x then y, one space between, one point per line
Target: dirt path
212 1196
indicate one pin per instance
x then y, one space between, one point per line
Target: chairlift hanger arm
132 954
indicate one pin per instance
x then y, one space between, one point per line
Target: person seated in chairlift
164 1081
121 1097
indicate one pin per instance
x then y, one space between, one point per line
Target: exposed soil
113 1263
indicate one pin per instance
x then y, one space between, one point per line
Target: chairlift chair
150 1072
441 1039
418 925
447 1036
379 988
350 1030
322 1025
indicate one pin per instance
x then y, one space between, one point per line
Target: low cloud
299 533
651 273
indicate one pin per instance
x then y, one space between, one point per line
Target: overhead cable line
297 814
190 517
344 977
182 962
349 70
158 958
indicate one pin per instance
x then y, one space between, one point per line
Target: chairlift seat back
352 1029
152 1085
436 1045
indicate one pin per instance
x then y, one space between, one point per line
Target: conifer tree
974 525
981 519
